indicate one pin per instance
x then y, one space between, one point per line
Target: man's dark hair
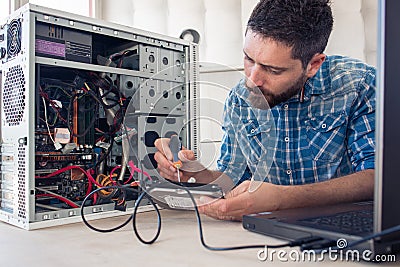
304 25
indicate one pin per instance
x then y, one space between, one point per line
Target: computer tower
81 101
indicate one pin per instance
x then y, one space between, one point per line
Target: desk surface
177 245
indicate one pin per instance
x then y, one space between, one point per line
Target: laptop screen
387 182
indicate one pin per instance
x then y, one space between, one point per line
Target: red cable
134 168
112 172
63 199
91 179
88 175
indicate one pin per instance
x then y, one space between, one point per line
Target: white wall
355 29
221 24
346 12
80 7
215 86
369 12
218 22
4 4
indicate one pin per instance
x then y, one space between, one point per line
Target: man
324 115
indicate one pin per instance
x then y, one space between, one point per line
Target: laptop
353 221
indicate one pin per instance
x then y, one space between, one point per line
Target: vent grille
14 38
21 181
14 95
195 99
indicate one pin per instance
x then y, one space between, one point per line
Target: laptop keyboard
352 222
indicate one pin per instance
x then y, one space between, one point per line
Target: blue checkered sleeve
361 129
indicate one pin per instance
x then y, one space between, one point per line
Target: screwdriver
175 146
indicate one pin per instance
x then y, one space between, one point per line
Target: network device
82 102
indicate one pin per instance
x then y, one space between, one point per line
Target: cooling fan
14 38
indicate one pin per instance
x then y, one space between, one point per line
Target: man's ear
314 64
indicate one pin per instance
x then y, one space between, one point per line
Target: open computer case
68 83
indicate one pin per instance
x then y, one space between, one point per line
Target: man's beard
265 99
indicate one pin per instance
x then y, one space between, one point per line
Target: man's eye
246 57
276 72
273 72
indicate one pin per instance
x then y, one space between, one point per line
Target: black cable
362 240
144 194
132 217
105 156
229 248
91 226
93 92
373 236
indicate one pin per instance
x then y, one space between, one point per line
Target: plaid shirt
327 134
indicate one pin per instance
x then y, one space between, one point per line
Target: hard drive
174 195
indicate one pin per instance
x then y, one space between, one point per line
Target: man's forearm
354 187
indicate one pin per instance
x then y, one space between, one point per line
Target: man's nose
256 77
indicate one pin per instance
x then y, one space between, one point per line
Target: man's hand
241 201
164 160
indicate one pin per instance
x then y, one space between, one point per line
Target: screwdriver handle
175 146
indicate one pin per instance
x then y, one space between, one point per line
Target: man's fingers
164 159
165 171
216 214
203 200
163 162
164 166
240 189
162 144
237 204
186 155
224 209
